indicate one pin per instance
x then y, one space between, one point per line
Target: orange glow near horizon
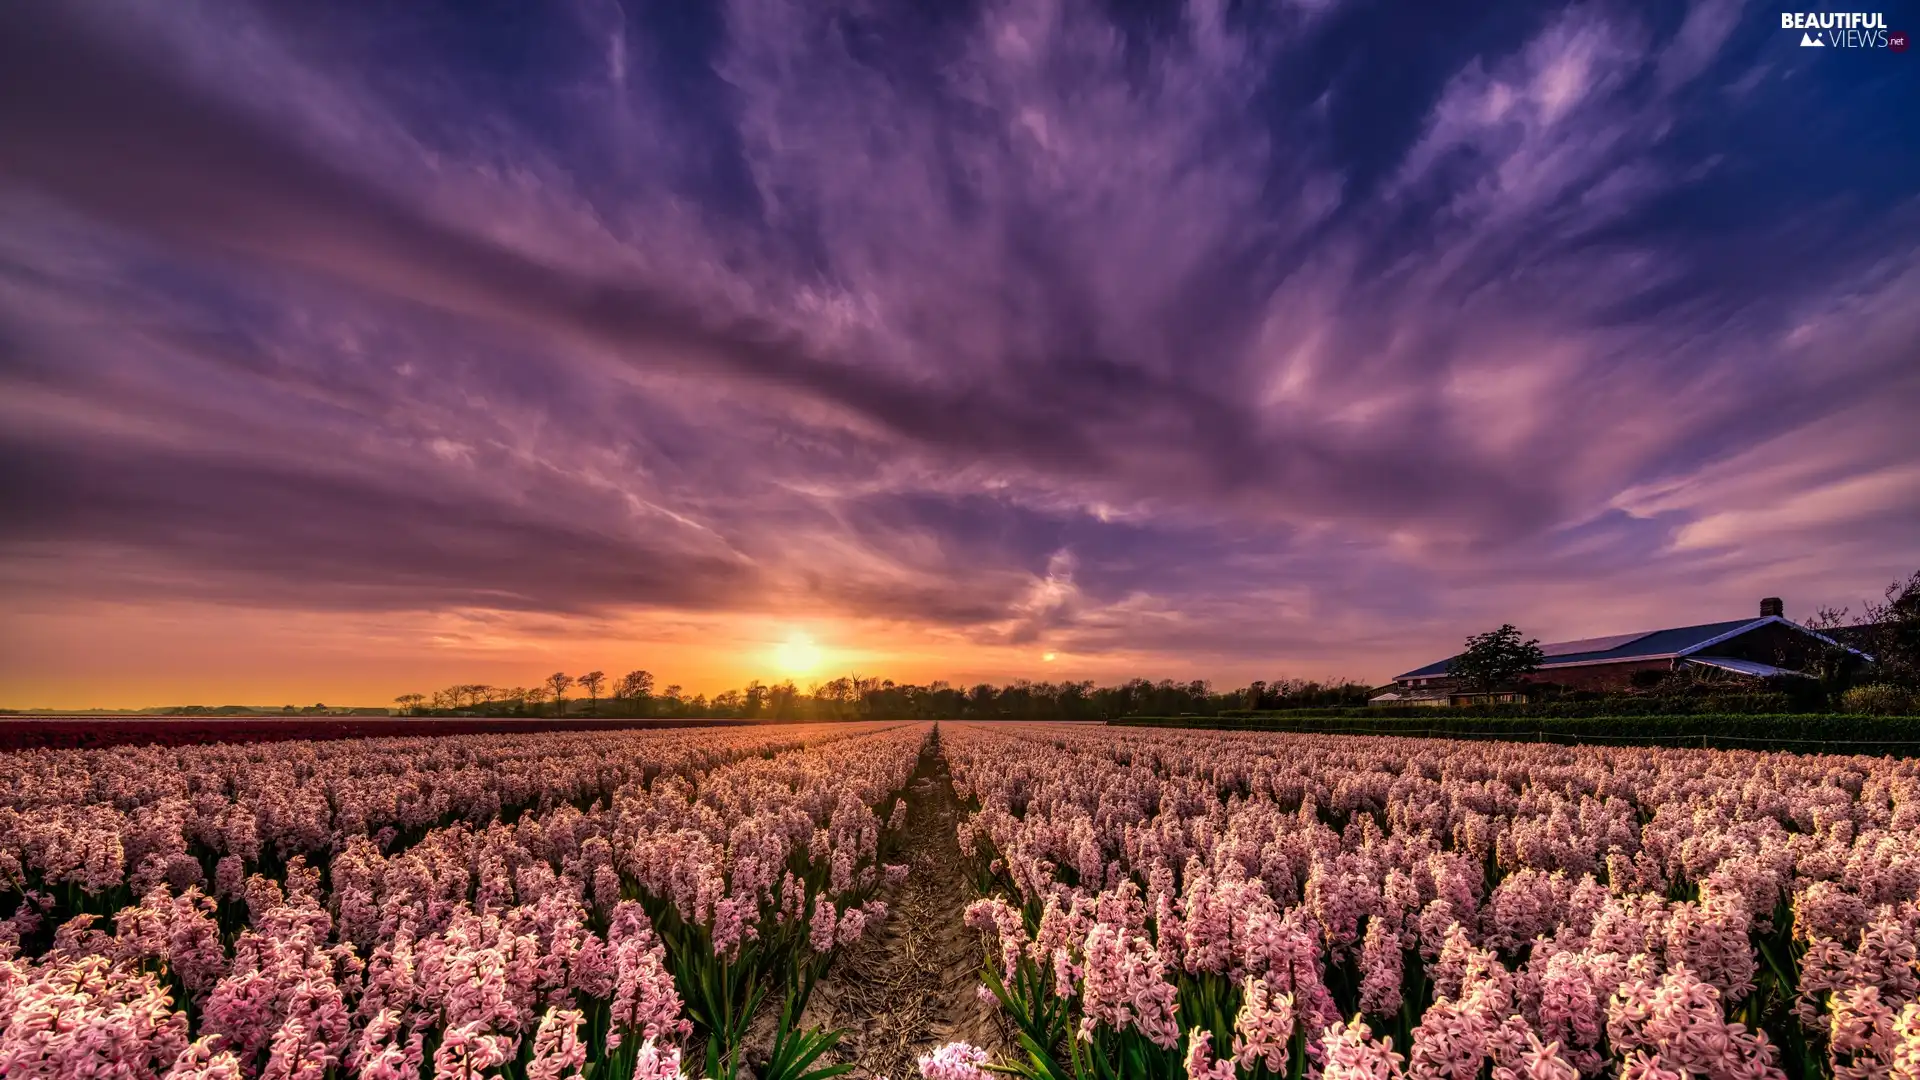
115 656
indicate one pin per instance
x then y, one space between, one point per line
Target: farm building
1760 647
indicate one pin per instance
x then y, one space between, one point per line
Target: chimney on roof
1772 606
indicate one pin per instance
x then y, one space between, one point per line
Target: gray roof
1743 667
1646 645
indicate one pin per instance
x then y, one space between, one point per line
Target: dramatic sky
355 348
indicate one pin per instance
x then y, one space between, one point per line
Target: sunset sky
349 349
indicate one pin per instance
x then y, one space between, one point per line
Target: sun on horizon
798 655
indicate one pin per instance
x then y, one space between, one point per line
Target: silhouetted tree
593 681
1496 658
783 700
1831 662
831 699
558 683
672 700
1892 634
1887 630
635 687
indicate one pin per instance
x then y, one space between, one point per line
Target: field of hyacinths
539 906
1149 903
1258 906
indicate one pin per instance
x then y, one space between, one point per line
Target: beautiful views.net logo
1843 30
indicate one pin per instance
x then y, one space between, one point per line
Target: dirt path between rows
910 988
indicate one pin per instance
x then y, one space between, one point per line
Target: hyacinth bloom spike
1351 1053
954 1061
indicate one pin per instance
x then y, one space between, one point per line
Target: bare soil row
911 987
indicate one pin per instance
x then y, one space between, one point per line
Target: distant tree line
856 697
1887 629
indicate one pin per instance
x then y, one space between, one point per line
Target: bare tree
409 702
1893 632
593 681
558 683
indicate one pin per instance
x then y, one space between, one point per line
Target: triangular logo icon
1808 41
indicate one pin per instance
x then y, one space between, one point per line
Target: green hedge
1841 733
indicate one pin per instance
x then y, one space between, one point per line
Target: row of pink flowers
448 951
1568 911
141 815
